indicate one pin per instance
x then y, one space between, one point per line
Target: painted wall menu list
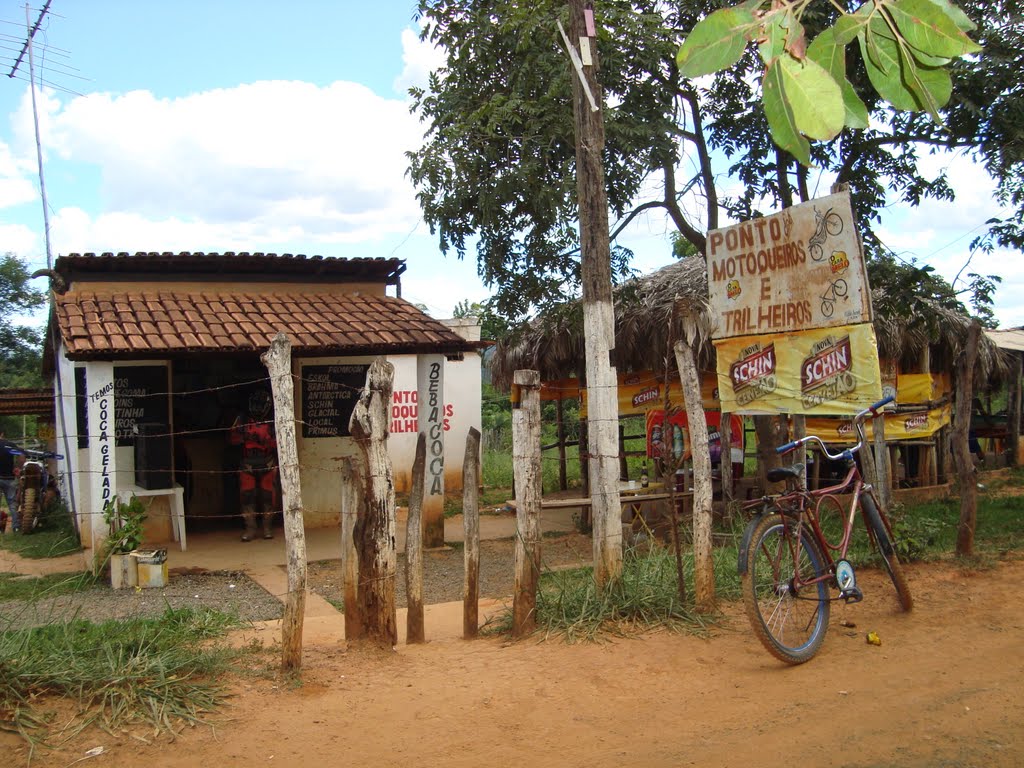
329 395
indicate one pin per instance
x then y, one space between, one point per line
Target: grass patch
42 544
160 672
16 587
570 605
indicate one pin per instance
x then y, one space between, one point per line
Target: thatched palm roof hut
653 311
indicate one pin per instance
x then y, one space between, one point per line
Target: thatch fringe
654 311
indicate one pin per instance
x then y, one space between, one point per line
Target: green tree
496 171
493 327
20 345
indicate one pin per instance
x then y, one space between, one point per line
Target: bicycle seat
778 474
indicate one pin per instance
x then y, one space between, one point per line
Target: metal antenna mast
35 119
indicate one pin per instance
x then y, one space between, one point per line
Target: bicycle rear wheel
886 550
790 620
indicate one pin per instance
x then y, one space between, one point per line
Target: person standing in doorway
8 482
258 470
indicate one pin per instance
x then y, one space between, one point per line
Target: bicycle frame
803 505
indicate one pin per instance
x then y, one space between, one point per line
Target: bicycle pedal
852 595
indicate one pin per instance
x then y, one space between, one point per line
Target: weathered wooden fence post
415 631
471 529
725 462
353 512
703 563
526 458
376 536
278 360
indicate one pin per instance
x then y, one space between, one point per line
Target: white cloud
251 160
419 59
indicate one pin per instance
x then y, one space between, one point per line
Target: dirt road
945 688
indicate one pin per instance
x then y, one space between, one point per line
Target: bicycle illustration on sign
837 290
826 224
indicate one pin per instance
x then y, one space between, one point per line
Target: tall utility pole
598 308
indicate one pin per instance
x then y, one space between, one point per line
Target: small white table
176 501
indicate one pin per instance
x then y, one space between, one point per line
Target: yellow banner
643 391
830 371
922 387
912 425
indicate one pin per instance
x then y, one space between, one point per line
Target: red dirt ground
943 689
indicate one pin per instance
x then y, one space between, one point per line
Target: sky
282 127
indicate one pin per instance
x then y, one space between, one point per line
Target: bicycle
787 564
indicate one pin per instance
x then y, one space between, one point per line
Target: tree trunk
278 360
376 544
353 515
471 529
526 457
414 627
598 309
961 450
703 563
768 430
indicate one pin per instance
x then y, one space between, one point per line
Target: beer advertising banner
640 392
831 371
922 387
795 270
911 425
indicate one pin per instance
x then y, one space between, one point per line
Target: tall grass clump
161 672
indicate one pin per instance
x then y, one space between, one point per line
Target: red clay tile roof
85 266
145 323
26 402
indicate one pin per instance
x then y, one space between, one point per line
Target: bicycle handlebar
858 423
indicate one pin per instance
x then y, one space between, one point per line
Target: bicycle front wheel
886 550
789 617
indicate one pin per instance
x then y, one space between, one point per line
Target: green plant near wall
124 521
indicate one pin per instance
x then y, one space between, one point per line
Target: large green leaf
716 43
928 28
772 40
961 19
814 97
898 78
831 56
849 25
780 116
882 62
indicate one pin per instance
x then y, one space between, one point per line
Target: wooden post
526 457
278 360
353 513
471 529
1014 408
725 463
414 627
623 463
376 544
598 307
563 481
961 450
703 564
882 473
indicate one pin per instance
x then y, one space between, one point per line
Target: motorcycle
36 487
